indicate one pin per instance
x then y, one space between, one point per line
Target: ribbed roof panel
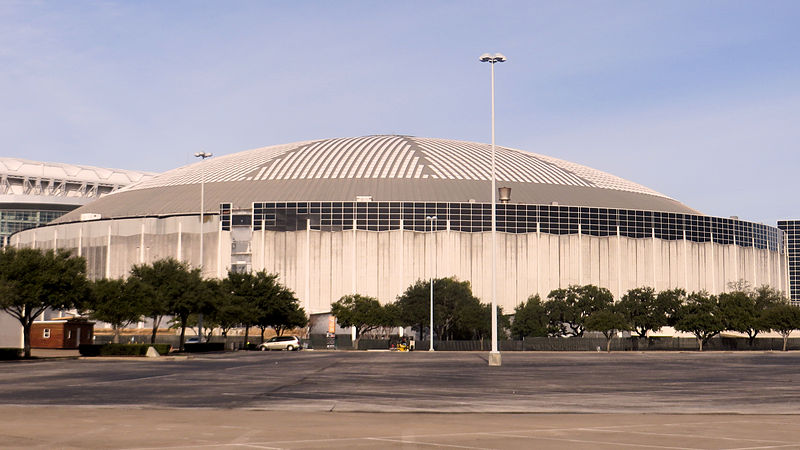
386 167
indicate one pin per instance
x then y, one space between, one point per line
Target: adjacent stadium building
373 214
33 193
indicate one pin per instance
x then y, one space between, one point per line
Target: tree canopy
608 321
700 315
32 280
783 318
175 289
264 302
567 309
530 319
364 313
117 302
457 314
647 311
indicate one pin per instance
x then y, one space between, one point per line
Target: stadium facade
373 214
33 193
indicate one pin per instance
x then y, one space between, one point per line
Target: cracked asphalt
320 399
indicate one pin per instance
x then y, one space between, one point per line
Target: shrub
121 349
7 354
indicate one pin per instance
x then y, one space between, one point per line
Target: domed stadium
373 214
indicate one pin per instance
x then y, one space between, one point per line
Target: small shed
67 332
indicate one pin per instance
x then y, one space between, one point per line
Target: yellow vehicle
403 346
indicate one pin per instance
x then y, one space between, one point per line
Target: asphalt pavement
320 399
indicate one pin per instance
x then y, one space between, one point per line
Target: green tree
783 318
457 314
242 287
231 311
175 290
608 321
284 312
117 302
32 281
743 308
479 325
567 309
194 298
361 312
740 313
530 318
701 316
670 302
264 302
647 311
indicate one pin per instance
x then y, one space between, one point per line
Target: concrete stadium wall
10 331
321 266
383 264
112 247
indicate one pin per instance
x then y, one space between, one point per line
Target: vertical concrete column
33 243
308 266
619 263
55 240
770 266
685 262
538 258
219 249
141 243
448 252
713 267
736 258
179 251
787 286
655 273
263 247
354 265
355 254
580 255
108 253
80 241
401 267
755 266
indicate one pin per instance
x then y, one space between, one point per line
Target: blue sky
696 99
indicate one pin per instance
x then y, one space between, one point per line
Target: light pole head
505 194
496 58
203 155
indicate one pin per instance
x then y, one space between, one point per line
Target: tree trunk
608 344
26 332
246 336
785 340
700 342
156 323
262 334
116 334
183 334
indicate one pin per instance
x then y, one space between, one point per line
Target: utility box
61 333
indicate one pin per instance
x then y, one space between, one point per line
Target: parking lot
319 399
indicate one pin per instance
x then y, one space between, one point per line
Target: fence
547 344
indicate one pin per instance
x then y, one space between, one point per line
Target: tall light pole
432 219
203 156
494 355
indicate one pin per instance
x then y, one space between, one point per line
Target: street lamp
203 156
432 219
494 355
